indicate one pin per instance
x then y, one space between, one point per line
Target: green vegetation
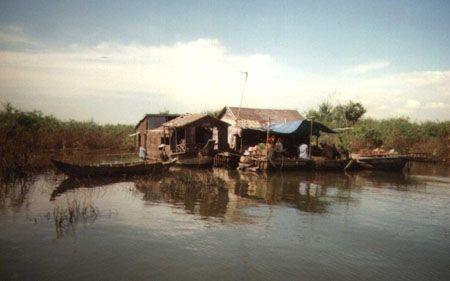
23 135
401 134
212 113
337 116
165 111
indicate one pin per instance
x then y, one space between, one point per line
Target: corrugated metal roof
186 119
257 117
156 114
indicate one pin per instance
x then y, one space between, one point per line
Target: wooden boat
119 169
194 160
265 164
323 164
381 162
286 164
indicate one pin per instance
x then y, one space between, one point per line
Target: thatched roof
250 118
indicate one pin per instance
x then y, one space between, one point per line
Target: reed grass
25 135
405 136
67 217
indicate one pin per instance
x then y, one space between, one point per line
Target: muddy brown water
278 226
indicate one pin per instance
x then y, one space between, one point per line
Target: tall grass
401 134
23 135
67 217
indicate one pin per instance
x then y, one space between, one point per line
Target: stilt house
149 122
187 134
246 123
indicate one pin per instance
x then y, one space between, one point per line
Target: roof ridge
256 108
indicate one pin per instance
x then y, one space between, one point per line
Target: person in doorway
162 152
142 153
279 145
303 151
181 147
271 140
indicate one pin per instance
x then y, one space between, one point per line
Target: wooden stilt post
310 136
267 137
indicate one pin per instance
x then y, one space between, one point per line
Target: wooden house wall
190 137
228 117
142 130
153 141
149 122
222 137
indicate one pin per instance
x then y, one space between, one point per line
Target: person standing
279 145
303 151
142 153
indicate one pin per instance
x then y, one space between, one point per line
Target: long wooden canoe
384 163
119 169
194 161
323 164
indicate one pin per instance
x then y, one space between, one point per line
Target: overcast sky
113 61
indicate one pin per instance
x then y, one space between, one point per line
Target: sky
114 61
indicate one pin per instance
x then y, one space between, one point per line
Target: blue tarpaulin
302 127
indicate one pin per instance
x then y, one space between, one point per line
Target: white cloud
15 36
412 103
193 76
365 68
437 105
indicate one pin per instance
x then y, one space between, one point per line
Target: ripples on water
226 225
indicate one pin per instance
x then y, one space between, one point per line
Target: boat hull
330 164
74 170
381 163
195 161
276 164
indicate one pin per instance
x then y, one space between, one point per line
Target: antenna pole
243 92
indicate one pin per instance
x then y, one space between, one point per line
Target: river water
278 226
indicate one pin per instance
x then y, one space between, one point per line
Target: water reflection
76 183
223 194
198 192
308 192
382 179
207 193
68 215
14 192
